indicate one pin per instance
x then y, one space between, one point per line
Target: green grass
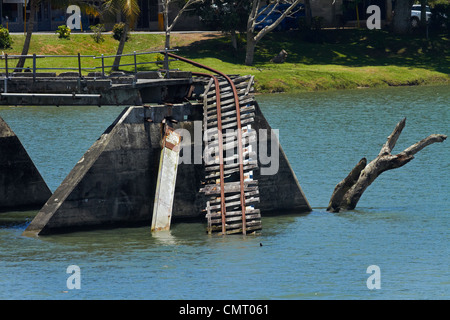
336 59
50 44
331 59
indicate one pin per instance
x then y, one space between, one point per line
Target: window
11 10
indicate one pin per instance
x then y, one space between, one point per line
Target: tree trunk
423 13
402 16
123 39
233 39
167 28
308 15
26 44
250 50
167 44
348 192
388 11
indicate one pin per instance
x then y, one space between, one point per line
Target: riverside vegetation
331 59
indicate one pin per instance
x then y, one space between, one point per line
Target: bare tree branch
392 139
252 39
264 12
183 9
423 143
271 27
348 192
168 28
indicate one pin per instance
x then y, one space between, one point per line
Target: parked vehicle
269 16
416 12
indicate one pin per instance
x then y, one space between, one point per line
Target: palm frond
129 8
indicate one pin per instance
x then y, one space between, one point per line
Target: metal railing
79 69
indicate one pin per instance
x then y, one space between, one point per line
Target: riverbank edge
278 87
269 77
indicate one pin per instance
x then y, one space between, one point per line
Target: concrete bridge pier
114 183
21 184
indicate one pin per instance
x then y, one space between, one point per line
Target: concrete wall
68 89
21 185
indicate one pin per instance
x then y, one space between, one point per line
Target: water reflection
164 237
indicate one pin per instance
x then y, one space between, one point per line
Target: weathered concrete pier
114 183
21 185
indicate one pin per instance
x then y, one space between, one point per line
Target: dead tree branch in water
348 192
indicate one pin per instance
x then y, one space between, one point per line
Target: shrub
313 32
117 30
5 39
63 32
440 16
97 32
160 59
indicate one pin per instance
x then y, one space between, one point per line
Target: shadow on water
16 219
191 233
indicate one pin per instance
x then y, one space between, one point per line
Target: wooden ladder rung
235 203
244 109
236 218
228 187
234 197
231 139
224 105
217 214
247 167
250 225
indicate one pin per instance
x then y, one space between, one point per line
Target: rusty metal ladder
228 135
229 108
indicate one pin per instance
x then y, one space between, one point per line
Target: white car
416 13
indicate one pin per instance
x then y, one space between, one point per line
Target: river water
401 224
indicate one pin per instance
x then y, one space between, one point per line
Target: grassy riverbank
331 59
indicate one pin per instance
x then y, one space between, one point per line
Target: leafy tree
118 30
97 32
63 32
226 16
5 38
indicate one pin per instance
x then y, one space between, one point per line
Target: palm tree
33 5
129 9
